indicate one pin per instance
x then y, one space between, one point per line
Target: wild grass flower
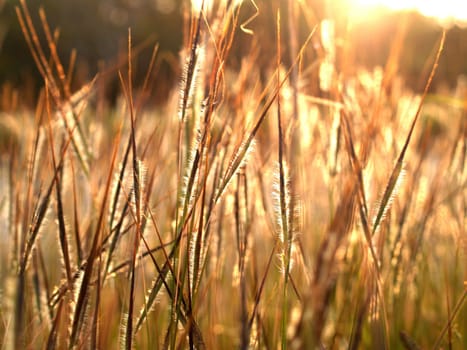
261 205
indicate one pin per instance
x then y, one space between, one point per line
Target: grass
243 213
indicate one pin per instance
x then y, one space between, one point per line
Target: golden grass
241 213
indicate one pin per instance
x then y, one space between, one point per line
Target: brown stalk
60 215
44 67
128 92
454 313
76 216
88 269
54 55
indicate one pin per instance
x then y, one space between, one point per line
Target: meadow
306 204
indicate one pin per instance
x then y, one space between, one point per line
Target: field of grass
245 212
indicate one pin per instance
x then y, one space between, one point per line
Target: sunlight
442 10
207 5
201 4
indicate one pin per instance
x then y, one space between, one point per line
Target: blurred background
97 30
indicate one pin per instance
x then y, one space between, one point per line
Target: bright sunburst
443 10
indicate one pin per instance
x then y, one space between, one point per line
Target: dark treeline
98 31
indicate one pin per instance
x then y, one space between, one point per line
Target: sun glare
442 10
201 4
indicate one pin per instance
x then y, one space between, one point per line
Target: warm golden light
199 5
455 10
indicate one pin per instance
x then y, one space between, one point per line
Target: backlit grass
245 212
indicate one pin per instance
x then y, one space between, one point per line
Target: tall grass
245 212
